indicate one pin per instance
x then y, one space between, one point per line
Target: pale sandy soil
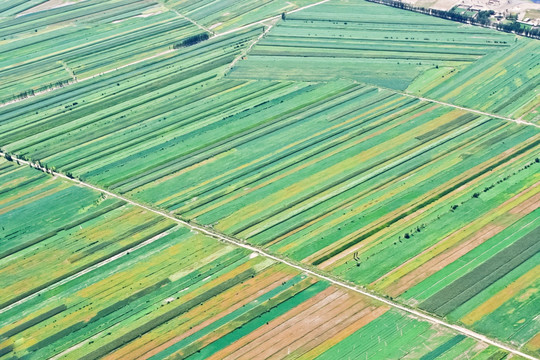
524 8
51 4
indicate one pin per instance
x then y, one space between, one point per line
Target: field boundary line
75 80
90 268
243 27
202 27
244 53
68 69
214 35
37 93
224 238
479 112
271 18
126 65
246 50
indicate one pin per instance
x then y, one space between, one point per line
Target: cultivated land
383 148
438 59
114 279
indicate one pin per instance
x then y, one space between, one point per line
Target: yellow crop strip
527 280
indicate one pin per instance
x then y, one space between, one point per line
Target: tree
482 18
192 40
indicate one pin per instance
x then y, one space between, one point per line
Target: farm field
313 138
367 42
46 49
135 91
18 7
222 15
320 208
111 226
460 64
171 292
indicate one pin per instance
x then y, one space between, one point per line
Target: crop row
169 292
223 15
18 6
460 64
366 42
143 83
351 178
506 83
410 198
62 41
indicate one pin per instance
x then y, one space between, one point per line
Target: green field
114 279
72 43
402 50
224 15
349 138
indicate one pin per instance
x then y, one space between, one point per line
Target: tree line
482 18
191 40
